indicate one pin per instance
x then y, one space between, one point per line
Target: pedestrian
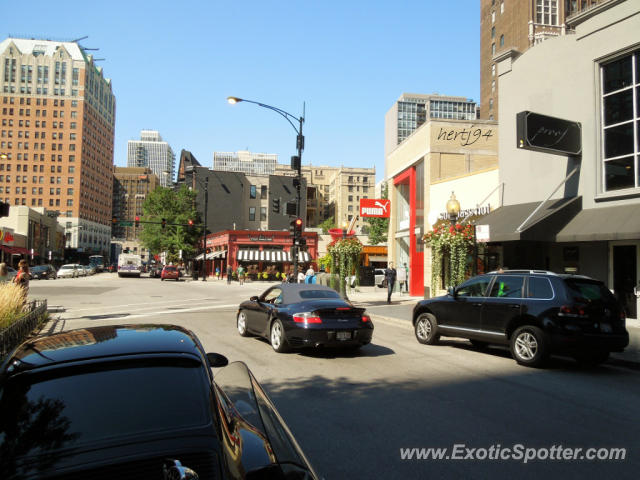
390 276
241 274
310 275
229 272
402 278
4 273
22 278
218 273
406 283
301 276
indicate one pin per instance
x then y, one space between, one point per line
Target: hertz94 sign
375 207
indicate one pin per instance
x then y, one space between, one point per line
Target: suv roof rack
540 272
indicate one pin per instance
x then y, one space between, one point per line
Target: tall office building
56 139
412 110
131 186
335 192
245 162
154 153
509 28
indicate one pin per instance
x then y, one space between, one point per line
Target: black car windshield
51 413
589 290
319 294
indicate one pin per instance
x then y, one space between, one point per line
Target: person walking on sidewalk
229 272
241 274
390 276
406 283
402 278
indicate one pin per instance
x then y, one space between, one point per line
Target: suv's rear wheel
529 346
426 329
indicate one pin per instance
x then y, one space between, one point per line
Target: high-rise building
57 115
510 28
154 153
131 186
335 192
413 109
245 162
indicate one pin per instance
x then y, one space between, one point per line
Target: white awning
199 257
271 256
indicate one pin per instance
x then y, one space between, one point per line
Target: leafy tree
379 227
175 207
327 224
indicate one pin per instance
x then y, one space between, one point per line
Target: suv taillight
306 317
573 311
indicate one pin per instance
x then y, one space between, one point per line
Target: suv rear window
589 290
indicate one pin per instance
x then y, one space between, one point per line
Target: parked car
68 270
170 272
43 272
12 272
293 315
90 269
155 271
138 401
81 270
536 313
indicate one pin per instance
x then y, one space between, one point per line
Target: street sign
375 207
543 133
123 223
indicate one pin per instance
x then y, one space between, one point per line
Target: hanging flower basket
454 242
345 260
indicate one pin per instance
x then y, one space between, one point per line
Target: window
493 32
547 12
501 7
475 287
252 214
252 192
263 191
493 70
502 40
540 288
507 286
620 118
493 49
263 214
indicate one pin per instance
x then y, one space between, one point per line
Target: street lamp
296 162
453 209
344 230
192 169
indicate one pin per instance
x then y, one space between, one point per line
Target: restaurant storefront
259 252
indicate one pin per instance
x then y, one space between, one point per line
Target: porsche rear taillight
306 317
366 318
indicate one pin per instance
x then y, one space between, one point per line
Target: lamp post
296 162
206 205
453 209
343 281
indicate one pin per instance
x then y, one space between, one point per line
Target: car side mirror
254 298
216 360
452 292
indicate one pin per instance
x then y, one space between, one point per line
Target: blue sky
174 63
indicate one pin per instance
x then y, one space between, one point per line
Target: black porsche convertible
304 315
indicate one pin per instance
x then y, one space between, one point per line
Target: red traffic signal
137 220
190 222
298 223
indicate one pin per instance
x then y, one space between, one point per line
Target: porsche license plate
343 335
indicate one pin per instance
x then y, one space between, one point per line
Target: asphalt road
353 413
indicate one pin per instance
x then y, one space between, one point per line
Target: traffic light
275 205
292 227
190 222
114 220
298 227
137 221
295 162
163 223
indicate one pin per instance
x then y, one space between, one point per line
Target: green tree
379 227
175 207
327 224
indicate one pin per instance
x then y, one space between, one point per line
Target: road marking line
190 300
165 312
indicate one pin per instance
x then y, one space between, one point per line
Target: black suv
536 313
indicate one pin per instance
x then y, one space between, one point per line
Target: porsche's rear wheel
277 337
